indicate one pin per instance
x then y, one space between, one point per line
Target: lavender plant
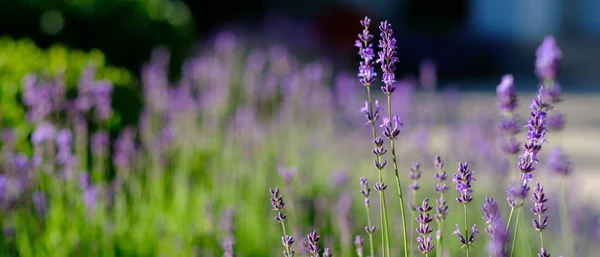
463 179
286 240
424 230
441 208
369 229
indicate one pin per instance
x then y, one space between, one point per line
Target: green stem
398 185
565 219
466 231
512 211
287 247
370 234
382 206
512 249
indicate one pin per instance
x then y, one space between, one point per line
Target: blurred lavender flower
124 149
313 243
543 253
559 163
556 122
43 132
491 215
515 195
358 243
37 96
327 253
102 99
99 143
39 202
227 248
507 95
498 239
90 197
287 173
424 229
548 57
415 175
65 156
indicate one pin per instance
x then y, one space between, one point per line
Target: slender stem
398 185
466 231
512 211
512 249
370 234
565 219
541 238
382 206
287 247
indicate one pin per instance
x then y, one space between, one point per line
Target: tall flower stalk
424 230
441 209
391 124
365 190
539 209
463 179
367 78
277 203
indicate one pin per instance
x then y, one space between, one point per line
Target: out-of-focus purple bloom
340 178
39 202
556 122
515 195
366 68
124 148
387 57
37 96
491 215
507 95
227 247
99 142
539 208
102 92
327 253
287 173
559 162
90 197
499 239
43 132
509 126
552 92
358 243
548 56
428 74
463 179
510 146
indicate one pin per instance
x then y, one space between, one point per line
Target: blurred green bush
20 57
126 31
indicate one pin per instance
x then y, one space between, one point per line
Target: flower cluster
387 57
313 243
441 209
539 208
424 230
366 69
463 179
536 134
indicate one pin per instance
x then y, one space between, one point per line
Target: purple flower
39 202
124 148
366 69
491 215
509 126
44 132
99 143
510 146
387 57
536 134
507 96
371 115
515 195
543 253
391 129
424 229
313 243
548 57
415 175
463 179
90 197
539 208
556 122
358 243
463 240
559 163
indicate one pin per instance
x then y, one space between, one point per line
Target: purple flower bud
358 243
44 132
99 142
507 96
313 243
463 179
559 163
548 57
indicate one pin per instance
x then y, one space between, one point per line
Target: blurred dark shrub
125 30
21 57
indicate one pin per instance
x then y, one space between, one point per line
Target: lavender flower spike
313 243
539 208
424 229
559 163
548 57
463 179
366 69
466 240
387 57
277 203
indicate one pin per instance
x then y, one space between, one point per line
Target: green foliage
21 57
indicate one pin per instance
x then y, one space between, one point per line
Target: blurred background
178 114
467 39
